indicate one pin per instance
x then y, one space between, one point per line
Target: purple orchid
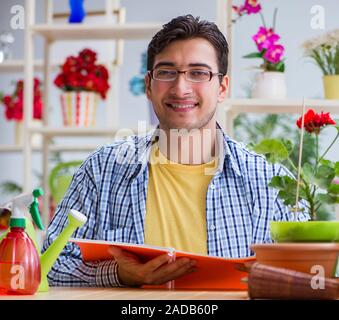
274 53
251 6
265 38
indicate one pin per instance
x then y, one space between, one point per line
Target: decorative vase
311 258
269 85
309 231
77 11
331 86
79 108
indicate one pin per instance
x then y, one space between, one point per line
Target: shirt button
212 186
212 227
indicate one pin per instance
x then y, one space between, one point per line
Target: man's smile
181 106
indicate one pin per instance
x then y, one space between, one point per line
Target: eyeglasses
193 75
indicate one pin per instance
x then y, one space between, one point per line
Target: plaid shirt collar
144 143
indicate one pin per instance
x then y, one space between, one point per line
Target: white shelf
53 148
73 132
18 65
279 106
131 31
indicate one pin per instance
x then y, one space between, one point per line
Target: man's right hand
132 272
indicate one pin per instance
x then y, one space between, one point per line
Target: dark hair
188 27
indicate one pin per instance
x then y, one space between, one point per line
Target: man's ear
148 85
223 88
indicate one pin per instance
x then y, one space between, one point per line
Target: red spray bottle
20 271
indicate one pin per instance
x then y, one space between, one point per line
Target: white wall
293 24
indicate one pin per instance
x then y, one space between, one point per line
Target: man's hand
157 271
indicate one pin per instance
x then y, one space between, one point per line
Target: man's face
198 101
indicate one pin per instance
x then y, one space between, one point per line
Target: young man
186 185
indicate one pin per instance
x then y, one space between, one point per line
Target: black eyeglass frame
212 74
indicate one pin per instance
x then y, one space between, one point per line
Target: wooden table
64 293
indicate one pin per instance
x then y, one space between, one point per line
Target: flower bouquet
324 51
82 81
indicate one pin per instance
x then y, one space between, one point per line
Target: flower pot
269 85
79 108
331 86
311 258
310 231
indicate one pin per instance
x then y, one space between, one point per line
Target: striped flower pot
79 108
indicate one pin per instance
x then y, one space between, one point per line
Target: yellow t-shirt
176 204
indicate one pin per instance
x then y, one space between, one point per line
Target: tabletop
65 293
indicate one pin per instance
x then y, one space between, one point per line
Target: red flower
88 56
314 121
81 73
14 103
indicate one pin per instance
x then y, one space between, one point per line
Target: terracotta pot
303 257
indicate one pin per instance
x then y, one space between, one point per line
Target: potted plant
302 245
82 82
14 109
270 82
324 51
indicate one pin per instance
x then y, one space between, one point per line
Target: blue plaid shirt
110 188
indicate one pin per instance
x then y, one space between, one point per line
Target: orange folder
213 273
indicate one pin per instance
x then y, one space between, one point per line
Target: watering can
75 220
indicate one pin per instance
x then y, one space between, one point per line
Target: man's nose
181 86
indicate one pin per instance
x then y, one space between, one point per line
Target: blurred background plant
137 83
324 52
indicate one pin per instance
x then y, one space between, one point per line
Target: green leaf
324 176
333 188
9 187
308 173
274 150
253 55
327 199
327 163
280 66
336 168
288 145
287 197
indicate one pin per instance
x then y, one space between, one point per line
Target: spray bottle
20 270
